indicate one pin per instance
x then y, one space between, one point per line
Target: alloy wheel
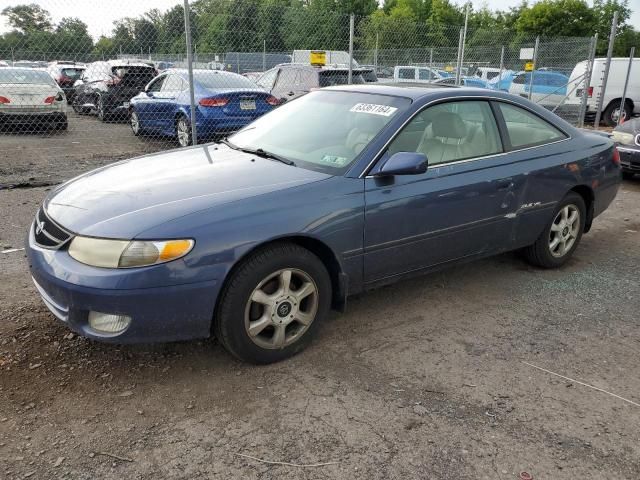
184 132
135 123
281 308
564 230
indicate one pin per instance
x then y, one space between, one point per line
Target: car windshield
323 130
214 79
72 72
25 76
329 78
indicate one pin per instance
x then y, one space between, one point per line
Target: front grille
49 234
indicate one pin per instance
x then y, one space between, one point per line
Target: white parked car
31 99
410 73
487 73
3 64
615 86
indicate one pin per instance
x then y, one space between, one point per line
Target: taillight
213 102
590 92
49 100
4 100
616 156
271 100
113 81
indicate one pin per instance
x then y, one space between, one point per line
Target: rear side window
267 79
173 83
526 129
407 73
521 79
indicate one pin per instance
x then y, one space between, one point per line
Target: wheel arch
589 199
319 248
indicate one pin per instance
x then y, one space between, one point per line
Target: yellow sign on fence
528 67
318 57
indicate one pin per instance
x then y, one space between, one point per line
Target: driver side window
449 132
156 85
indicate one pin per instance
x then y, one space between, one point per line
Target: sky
100 14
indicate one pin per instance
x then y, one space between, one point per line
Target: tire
183 131
102 114
611 113
542 253
263 276
627 175
134 123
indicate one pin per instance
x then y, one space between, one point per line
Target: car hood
129 197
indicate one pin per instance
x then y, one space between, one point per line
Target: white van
613 94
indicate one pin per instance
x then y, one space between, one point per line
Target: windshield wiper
258 151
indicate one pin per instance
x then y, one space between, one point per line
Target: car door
147 103
463 206
165 106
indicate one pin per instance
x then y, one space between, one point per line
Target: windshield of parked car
323 130
25 76
213 79
327 78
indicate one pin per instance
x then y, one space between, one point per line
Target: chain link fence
152 84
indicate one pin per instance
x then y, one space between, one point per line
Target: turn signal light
213 102
4 99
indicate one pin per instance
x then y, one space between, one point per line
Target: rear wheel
183 131
561 237
273 304
134 121
613 111
103 116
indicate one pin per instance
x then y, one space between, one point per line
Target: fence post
612 39
431 75
632 54
192 99
264 55
459 62
587 81
501 67
375 54
351 27
535 61
464 41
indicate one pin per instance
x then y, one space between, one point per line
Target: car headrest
448 125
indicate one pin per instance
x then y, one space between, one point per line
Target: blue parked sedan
226 102
342 190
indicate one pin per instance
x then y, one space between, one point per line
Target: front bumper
159 314
629 158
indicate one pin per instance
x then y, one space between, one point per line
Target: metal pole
535 60
192 99
612 39
459 62
587 81
464 38
351 28
501 67
632 54
431 75
264 55
375 54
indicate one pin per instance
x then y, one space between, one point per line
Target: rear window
134 75
491 75
520 79
25 76
215 79
72 72
329 78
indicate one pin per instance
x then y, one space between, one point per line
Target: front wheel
183 131
561 237
273 304
134 121
101 110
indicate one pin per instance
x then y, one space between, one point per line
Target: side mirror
404 163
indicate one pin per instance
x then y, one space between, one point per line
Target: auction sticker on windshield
384 110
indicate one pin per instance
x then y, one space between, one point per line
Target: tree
557 18
603 12
28 18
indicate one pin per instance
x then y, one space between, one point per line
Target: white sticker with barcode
384 110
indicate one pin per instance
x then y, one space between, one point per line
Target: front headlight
102 252
622 138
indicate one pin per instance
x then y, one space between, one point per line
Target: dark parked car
108 87
226 103
66 75
342 190
289 81
627 136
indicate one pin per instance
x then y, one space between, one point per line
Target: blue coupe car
254 239
226 102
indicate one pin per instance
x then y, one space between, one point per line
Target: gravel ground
422 379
